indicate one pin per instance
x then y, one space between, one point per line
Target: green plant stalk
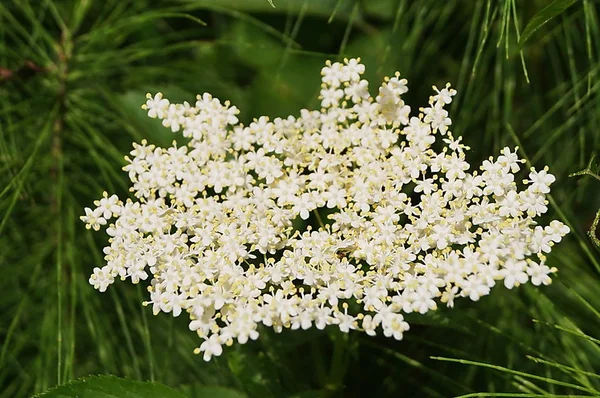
56 200
339 362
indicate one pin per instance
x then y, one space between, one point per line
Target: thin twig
592 232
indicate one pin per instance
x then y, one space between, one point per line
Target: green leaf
552 10
384 9
295 85
110 387
199 391
308 394
253 45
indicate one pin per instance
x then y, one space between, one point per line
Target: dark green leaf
253 45
110 387
199 391
296 85
552 10
308 394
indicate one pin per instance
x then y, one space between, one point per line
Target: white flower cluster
345 216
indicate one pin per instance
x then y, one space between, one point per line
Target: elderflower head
410 224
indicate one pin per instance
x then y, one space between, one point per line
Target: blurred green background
73 74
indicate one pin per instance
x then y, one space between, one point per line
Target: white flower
510 204
101 278
93 218
344 321
214 224
448 295
444 95
333 74
354 68
156 106
474 287
331 96
211 346
540 273
357 91
556 230
540 181
514 273
509 160
437 117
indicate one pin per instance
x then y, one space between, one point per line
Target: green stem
317 355
339 362
319 219
146 335
57 177
594 229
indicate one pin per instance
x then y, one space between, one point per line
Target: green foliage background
73 74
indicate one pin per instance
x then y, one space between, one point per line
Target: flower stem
319 219
339 362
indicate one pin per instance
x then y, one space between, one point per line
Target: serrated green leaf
110 387
199 391
552 10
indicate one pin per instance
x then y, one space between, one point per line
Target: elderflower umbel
410 224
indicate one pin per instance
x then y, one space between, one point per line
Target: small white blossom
156 106
540 273
444 95
540 181
93 218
